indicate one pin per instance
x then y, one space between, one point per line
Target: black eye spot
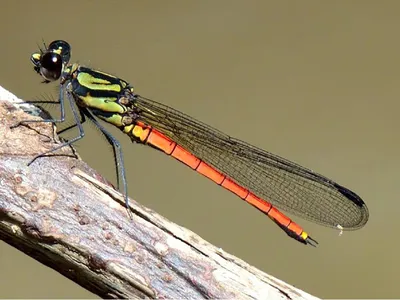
51 66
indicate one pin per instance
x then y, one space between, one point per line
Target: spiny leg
78 124
62 109
109 140
46 113
118 156
83 120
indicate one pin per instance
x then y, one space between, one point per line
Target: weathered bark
58 213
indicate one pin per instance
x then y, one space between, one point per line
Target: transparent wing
285 184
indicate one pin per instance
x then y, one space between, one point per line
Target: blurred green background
313 81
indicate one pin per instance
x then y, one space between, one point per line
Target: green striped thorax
108 97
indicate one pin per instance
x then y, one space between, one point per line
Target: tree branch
62 213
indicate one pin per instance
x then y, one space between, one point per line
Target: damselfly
262 179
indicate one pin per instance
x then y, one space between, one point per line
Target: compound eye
61 47
51 66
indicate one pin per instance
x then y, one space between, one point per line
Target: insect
264 180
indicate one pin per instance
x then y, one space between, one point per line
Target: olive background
313 81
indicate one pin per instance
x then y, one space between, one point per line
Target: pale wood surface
62 213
